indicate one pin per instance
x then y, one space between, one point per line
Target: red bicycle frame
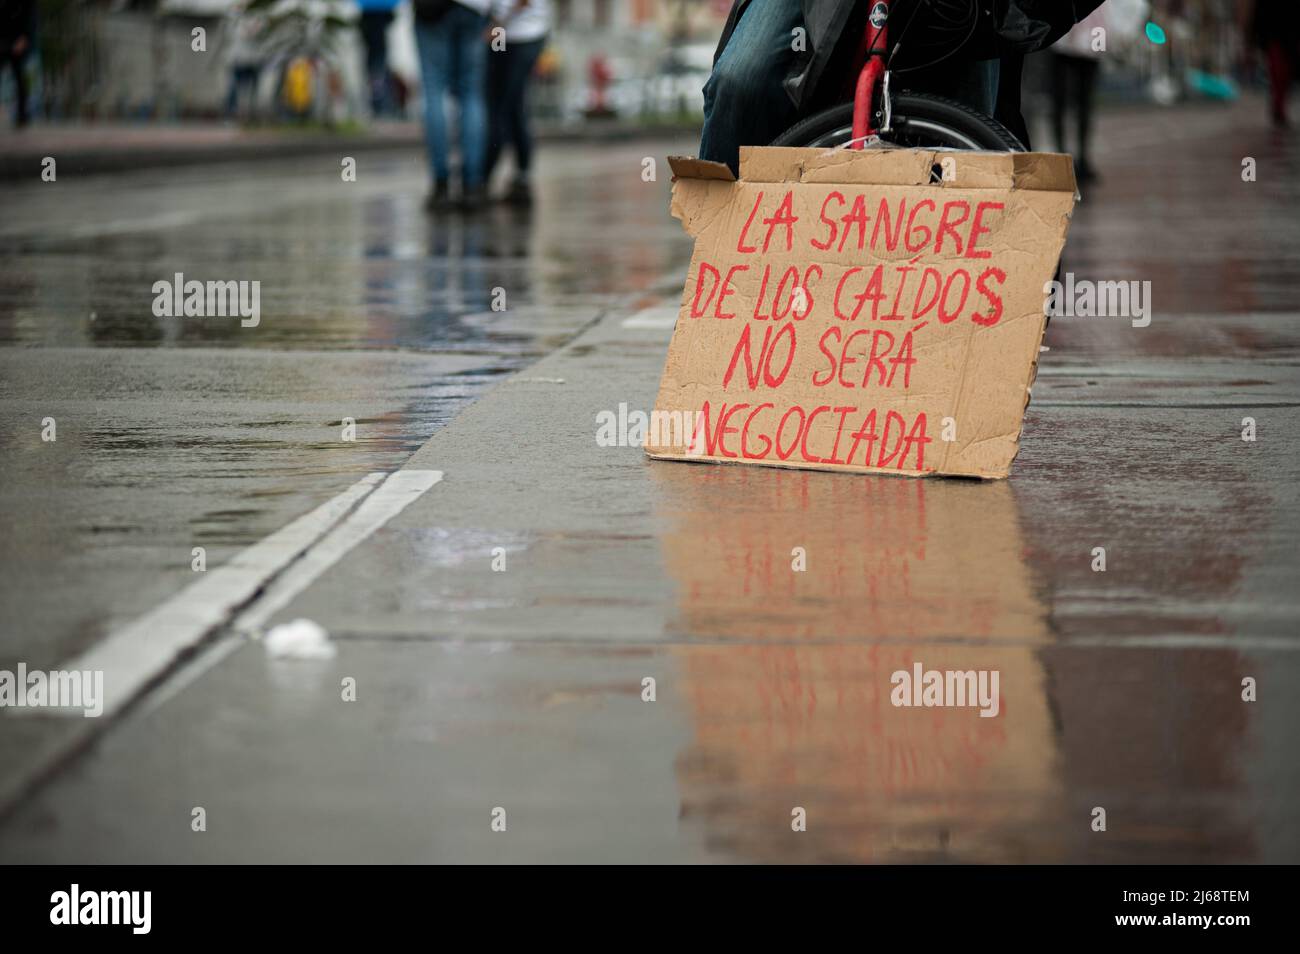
872 51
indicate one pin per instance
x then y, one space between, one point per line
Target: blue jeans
243 82
374 35
453 59
508 78
744 101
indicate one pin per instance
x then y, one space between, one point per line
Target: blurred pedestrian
451 36
376 17
526 23
1076 61
17 27
243 38
1275 27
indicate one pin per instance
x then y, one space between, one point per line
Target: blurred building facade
139 59
142 59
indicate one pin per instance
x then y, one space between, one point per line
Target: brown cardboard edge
1029 384
1030 171
689 167
1043 172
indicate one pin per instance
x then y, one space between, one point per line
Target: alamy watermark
57 689
947 688
75 906
635 428
1085 298
179 298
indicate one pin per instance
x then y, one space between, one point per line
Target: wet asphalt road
523 688
176 433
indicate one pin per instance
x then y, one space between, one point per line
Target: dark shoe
520 193
473 198
439 197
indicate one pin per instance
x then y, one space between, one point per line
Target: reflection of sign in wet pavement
788 672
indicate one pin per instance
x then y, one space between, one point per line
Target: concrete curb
21 159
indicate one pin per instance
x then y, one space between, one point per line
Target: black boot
439 197
520 192
473 198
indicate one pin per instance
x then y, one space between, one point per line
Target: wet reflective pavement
524 689
174 433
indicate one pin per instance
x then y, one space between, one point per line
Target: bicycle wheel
919 119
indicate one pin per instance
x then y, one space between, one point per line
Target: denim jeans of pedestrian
508 74
374 35
453 61
243 86
745 103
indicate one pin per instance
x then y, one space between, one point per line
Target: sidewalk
85 148
115 147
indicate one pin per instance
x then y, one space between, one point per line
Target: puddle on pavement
785 681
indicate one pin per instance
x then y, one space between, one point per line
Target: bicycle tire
918 119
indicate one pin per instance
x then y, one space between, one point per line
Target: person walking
451 37
1275 28
17 23
243 50
526 22
1076 61
376 18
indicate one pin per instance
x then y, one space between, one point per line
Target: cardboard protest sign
861 310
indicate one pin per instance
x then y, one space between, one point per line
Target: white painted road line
400 489
377 509
138 653
661 316
270 573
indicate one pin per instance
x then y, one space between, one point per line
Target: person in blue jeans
376 18
762 84
451 37
745 100
526 23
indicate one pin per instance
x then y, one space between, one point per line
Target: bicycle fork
873 70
